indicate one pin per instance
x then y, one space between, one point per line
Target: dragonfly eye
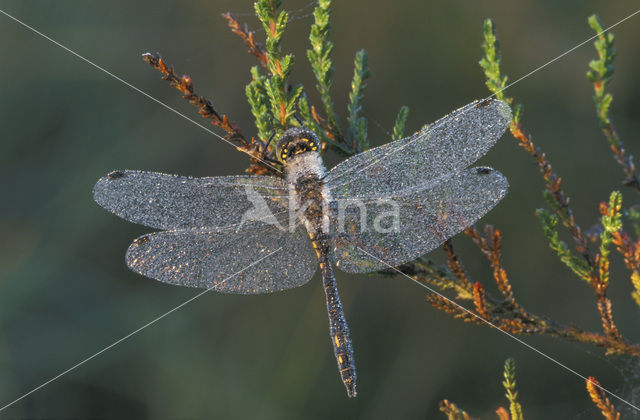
296 141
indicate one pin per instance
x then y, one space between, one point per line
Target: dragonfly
251 234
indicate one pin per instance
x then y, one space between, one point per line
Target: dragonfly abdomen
339 330
306 173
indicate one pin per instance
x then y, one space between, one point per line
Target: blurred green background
65 292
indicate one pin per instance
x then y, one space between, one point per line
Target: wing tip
135 251
108 184
503 108
496 183
113 175
486 170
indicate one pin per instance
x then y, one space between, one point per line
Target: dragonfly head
295 141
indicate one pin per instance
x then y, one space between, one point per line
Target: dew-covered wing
227 260
451 143
371 234
165 201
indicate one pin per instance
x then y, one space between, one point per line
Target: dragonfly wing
224 259
372 234
451 143
165 201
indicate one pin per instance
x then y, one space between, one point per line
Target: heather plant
278 104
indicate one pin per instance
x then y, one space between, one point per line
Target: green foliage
321 64
357 131
509 384
282 99
274 102
611 223
259 102
600 74
273 25
549 222
518 109
401 123
491 61
602 68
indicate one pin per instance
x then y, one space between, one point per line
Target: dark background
65 292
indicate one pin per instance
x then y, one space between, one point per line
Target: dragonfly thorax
305 173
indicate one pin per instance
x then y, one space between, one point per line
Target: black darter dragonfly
380 208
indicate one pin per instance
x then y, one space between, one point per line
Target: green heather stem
549 222
357 131
491 61
259 102
401 123
509 384
321 64
611 223
282 100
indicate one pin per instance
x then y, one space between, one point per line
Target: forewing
451 143
224 259
368 236
165 201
